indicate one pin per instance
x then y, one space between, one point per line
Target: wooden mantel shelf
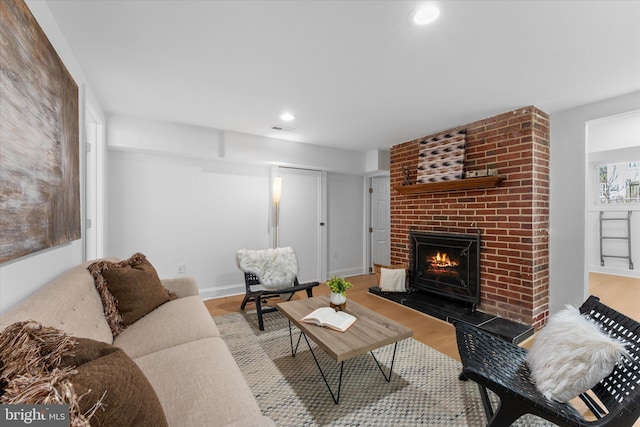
454 185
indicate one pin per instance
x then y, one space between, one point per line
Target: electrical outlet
182 268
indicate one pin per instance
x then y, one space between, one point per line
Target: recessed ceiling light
287 117
426 15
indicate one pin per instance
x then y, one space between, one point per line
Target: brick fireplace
511 218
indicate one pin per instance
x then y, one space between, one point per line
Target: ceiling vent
281 128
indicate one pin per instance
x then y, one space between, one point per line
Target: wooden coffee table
369 332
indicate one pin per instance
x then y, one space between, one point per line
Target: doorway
613 176
301 223
380 220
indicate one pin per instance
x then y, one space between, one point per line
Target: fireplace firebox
447 265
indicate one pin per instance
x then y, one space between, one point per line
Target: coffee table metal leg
336 397
293 352
393 358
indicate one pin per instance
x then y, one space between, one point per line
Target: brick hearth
513 218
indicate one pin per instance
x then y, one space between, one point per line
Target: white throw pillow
392 279
571 355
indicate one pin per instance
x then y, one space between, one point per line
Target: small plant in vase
338 298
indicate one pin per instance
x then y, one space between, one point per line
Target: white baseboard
230 290
224 291
616 271
346 272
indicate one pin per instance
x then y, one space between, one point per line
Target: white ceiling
356 74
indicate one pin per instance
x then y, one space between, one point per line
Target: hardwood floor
621 293
435 333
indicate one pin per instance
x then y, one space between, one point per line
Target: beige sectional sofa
177 346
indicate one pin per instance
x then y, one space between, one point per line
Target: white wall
21 277
378 160
614 132
568 282
346 226
180 210
190 195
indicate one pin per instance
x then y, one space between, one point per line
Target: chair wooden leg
245 300
488 410
506 414
259 311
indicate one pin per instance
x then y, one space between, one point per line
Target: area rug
424 388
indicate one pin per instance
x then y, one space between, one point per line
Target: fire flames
441 262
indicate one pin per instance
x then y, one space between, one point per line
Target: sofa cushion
212 389
129 290
106 374
174 323
183 286
69 302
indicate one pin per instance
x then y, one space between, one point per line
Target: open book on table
329 318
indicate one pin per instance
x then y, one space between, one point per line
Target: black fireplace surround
447 265
444 282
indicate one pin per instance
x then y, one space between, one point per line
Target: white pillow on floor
393 279
570 355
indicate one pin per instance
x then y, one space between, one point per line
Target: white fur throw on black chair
276 268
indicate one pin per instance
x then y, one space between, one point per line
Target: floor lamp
277 192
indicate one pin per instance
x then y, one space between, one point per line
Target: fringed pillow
129 290
99 382
30 356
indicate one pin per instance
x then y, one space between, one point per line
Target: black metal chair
501 367
257 293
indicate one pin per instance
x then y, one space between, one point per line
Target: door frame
93 172
368 267
322 249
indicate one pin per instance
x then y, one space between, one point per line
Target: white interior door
300 219
380 220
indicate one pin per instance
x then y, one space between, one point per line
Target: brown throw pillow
105 373
31 371
129 290
99 382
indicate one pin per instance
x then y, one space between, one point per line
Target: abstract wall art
441 157
39 139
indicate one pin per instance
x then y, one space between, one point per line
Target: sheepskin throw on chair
276 268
